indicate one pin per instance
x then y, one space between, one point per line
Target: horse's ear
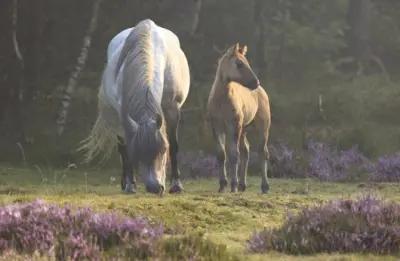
159 121
243 50
237 48
233 49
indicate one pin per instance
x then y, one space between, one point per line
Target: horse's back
166 48
177 76
117 41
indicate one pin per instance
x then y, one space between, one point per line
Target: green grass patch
227 220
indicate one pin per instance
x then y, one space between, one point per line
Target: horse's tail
101 141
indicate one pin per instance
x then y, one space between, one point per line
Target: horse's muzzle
253 84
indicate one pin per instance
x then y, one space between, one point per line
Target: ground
225 218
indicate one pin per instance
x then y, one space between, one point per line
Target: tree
359 19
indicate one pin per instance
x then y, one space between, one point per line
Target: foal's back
235 102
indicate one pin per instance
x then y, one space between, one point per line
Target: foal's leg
244 162
264 164
128 182
221 158
233 156
173 117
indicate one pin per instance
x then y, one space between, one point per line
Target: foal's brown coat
237 100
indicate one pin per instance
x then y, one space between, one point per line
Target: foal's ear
159 121
237 48
243 50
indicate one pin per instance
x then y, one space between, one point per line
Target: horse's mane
139 102
137 61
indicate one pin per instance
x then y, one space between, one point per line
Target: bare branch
196 17
14 33
81 62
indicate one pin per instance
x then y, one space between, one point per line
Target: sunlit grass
226 218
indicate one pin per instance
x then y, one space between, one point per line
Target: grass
227 219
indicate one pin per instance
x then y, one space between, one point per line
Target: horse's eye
239 64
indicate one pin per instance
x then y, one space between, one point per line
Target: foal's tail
101 141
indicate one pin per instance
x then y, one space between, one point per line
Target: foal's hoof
264 188
222 186
242 187
129 189
177 187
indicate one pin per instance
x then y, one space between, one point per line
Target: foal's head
149 146
234 66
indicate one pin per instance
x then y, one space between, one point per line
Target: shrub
61 232
328 164
364 225
284 162
386 169
199 164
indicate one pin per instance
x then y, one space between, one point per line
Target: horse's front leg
244 161
264 165
221 157
172 118
128 182
234 156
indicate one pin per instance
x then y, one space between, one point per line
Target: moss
196 246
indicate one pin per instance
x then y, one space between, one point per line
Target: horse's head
234 66
150 146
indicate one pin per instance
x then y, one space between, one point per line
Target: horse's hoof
222 186
242 187
129 189
234 187
176 188
264 188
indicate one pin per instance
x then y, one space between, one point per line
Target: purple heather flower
43 227
364 225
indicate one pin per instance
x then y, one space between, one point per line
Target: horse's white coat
170 80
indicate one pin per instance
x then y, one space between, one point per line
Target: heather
198 164
198 224
74 234
327 163
386 169
365 225
284 161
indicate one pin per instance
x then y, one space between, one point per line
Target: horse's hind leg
221 158
173 117
128 182
264 165
233 156
244 162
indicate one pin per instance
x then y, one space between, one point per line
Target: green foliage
305 55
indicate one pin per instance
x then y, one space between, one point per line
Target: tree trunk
81 62
359 18
6 58
34 15
18 92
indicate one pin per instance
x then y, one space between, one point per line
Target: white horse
145 83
